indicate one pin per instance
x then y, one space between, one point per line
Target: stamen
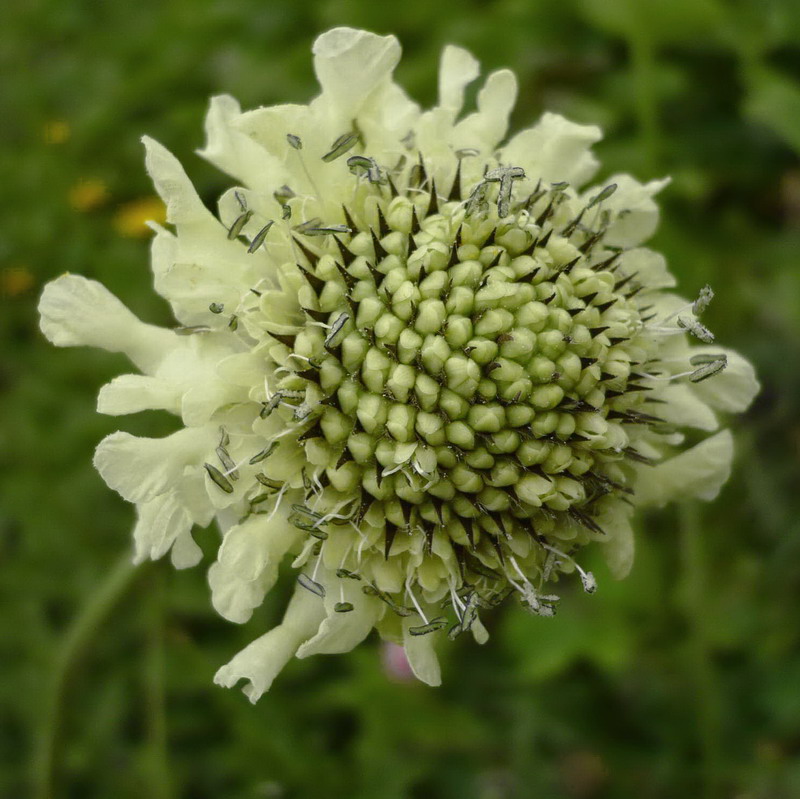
603 195
410 594
587 578
344 143
311 585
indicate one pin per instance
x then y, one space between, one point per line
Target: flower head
413 355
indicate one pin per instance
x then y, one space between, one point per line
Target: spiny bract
423 363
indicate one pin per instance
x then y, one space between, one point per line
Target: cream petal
486 127
192 287
229 149
341 632
261 661
200 403
186 382
698 472
163 253
185 552
184 206
421 654
650 268
619 543
349 65
731 390
244 369
554 150
479 632
457 69
247 565
235 599
161 522
140 469
635 212
389 116
78 312
134 393
684 408
268 127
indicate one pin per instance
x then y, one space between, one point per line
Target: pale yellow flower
419 359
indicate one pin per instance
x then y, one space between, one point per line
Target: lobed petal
261 661
634 212
488 125
134 393
341 632
457 69
421 654
350 64
230 150
619 545
247 565
78 312
141 469
161 522
554 150
733 389
698 472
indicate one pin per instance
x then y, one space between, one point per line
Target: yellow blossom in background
131 219
88 194
56 131
15 281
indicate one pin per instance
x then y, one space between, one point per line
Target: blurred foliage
681 681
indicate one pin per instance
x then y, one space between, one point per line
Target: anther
238 224
258 239
344 143
603 195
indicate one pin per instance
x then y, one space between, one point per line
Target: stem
701 665
155 701
73 647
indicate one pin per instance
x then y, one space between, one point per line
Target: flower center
465 367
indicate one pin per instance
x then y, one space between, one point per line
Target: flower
414 355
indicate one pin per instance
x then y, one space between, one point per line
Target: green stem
161 786
701 665
74 645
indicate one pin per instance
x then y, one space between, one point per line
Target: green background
683 681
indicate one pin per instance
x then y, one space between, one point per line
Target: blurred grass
681 681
